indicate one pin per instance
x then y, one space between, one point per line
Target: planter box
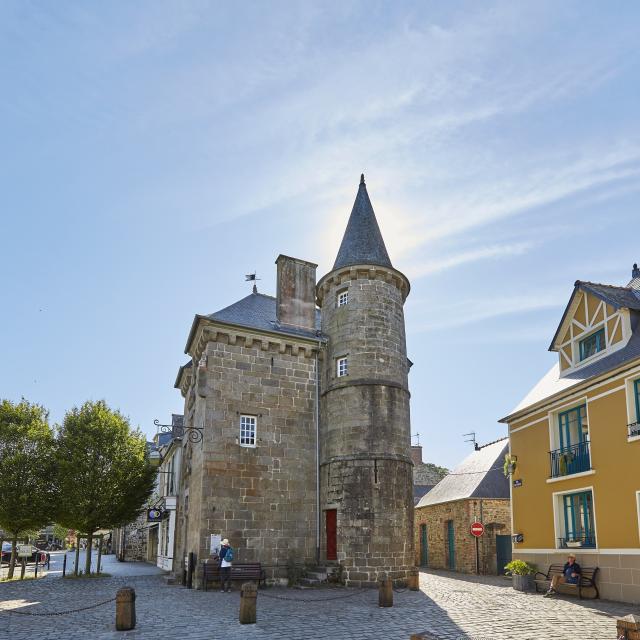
524 583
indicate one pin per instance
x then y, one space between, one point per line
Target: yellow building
576 437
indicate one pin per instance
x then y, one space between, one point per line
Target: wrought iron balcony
634 429
570 460
577 542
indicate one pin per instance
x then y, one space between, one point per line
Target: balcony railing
578 541
570 460
634 429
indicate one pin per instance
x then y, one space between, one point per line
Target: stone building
304 403
475 491
426 475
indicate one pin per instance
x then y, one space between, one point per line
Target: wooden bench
587 579
240 571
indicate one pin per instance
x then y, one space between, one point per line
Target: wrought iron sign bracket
194 434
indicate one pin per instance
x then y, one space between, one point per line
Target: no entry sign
477 529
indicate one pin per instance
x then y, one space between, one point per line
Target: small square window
247 431
592 344
343 298
342 367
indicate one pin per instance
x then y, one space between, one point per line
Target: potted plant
509 464
522 574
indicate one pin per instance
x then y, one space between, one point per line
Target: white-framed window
343 298
575 518
633 406
247 431
342 367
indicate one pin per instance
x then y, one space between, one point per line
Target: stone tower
366 488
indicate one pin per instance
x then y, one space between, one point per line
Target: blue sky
152 153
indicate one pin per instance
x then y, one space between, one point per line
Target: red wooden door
332 551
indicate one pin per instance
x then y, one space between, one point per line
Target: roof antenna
251 277
472 439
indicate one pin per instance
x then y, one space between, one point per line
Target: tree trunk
87 564
12 562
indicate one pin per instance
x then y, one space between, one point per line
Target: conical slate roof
362 242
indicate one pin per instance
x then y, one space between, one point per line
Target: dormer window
343 298
592 344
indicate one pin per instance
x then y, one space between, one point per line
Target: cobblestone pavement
448 607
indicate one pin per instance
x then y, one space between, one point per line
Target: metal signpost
477 529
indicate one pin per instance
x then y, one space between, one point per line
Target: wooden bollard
414 580
385 591
125 609
248 602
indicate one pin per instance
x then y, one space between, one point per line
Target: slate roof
479 475
420 490
258 311
616 296
619 297
551 383
362 242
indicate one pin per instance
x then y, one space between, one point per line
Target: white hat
225 541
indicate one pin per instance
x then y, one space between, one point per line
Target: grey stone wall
366 467
262 498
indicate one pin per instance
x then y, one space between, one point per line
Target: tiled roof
362 242
479 475
258 311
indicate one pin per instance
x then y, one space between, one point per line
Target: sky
153 153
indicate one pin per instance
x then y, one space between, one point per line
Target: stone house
475 491
303 402
426 475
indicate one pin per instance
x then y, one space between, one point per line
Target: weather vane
251 277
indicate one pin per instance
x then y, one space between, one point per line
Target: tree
61 533
28 486
104 472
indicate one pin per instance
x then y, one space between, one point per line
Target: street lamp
195 434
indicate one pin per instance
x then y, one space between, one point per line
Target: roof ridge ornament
363 182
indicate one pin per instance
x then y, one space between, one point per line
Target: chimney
416 453
296 293
635 273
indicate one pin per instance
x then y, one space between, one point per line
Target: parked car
35 553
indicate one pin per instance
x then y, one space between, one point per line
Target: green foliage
27 470
509 464
441 472
60 532
519 568
104 472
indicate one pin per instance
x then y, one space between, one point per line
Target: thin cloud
465 257
474 310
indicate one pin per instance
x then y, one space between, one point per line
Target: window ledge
632 438
572 475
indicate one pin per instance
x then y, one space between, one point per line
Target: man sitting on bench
570 575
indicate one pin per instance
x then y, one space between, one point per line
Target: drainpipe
317 419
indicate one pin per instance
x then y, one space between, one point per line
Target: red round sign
477 529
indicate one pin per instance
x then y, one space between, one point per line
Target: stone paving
448 607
